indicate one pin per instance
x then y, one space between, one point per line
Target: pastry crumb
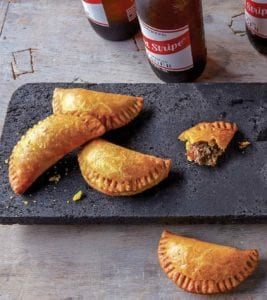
55 178
6 161
68 201
78 196
26 202
243 144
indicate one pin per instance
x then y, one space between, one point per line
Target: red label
169 46
257 10
168 49
93 1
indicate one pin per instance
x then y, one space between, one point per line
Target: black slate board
234 191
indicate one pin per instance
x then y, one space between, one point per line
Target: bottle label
95 12
131 13
256 16
169 50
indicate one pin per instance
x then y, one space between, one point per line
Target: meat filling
204 154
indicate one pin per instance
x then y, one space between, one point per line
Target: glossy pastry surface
206 141
113 110
46 143
204 268
118 171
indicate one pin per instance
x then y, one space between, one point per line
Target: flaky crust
204 268
117 171
46 143
220 132
113 110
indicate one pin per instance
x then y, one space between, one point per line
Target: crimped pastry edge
202 287
125 115
207 125
113 187
13 178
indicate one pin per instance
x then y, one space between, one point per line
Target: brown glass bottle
113 20
256 24
174 38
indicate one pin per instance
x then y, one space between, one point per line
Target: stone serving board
234 191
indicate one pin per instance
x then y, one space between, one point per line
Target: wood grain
109 262
4 5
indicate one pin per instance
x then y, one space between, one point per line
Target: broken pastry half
204 268
117 171
113 110
207 141
46 143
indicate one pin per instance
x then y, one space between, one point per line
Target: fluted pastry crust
113 110
46 143
204 268
117 171
220 132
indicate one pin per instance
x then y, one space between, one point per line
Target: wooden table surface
48 40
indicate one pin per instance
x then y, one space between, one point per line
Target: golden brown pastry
117 171
46 143
204 268
205 142
113 110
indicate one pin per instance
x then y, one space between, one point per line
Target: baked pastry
206 141
204 268
46 143
113 110
117 171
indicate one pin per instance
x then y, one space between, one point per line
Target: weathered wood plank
66 35
65 48
22 63
4 5
109 262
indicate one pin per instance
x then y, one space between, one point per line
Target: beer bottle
173 34
113 20
256 23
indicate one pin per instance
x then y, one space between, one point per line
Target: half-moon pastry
46 143
113 110
204 268
205 142
117 171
